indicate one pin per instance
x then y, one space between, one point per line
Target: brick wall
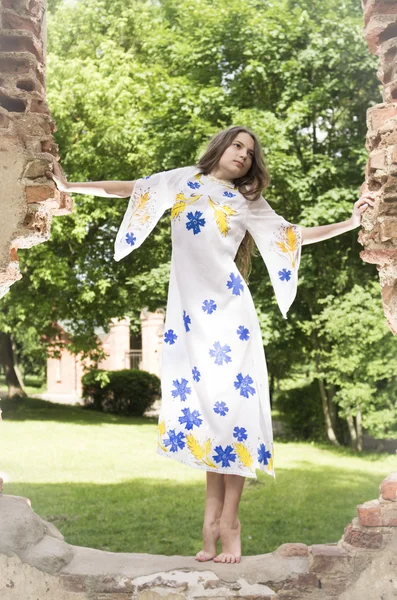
28 200
379 233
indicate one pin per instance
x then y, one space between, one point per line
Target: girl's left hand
361 206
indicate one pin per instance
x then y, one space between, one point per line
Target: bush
301 412
125 392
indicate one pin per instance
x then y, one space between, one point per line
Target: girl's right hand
58 177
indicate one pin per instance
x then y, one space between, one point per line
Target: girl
215 409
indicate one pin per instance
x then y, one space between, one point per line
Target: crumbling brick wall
36 562
28 200
379 233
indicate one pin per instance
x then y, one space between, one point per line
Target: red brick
393 154
388 230
326 558
379 257
13 21
14 255
379 8
388 487
36 7
40 193
369 514
390 92
362 539
377 159
39 106
37 168
380 113
51 147
376 27
14 64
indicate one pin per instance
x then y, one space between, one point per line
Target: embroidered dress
215 408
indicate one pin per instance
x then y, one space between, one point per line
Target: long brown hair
250 185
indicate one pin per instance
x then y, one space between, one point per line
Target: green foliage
139 87
358 356
126 392
301 412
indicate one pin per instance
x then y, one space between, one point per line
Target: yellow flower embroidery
198 451
198 178
161 432
244 455
222 214
181 203
140 214
289 245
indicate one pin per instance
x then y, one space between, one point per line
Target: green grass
98 478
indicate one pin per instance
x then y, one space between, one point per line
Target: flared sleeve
151 197
279 243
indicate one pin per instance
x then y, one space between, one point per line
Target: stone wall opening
35 561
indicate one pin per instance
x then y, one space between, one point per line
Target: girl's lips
238 163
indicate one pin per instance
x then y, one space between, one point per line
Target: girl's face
237 159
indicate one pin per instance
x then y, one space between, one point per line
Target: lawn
98 478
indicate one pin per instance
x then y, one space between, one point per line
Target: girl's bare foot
211 534
231 543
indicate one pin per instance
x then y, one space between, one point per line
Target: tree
139 87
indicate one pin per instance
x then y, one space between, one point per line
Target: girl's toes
203 556
219 558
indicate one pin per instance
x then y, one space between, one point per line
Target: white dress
215 409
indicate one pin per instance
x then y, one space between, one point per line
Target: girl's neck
221 176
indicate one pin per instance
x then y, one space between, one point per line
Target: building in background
64 373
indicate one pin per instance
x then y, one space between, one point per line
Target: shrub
125 392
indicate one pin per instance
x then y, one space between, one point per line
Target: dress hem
205 468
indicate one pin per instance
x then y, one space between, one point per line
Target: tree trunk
352 431
359 429
271 389
7 359
332 405
324 397
327 417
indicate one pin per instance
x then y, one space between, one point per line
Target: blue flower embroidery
147 177
229 194
194 185
263 454
235 284
220 353
209 306
225 455
243 333
130 238
190 418
174 440
195 222
186 320
220 408
284 274
240 433
170 337
243 384
196 374
181 389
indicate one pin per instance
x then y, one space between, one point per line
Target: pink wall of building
64 374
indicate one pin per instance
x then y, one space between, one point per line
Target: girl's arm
310 235
105 189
